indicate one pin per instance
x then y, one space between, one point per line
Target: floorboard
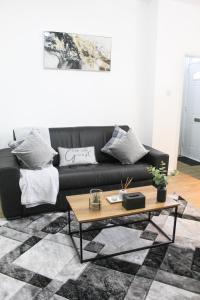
186 186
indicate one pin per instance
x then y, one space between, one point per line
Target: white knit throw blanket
39 186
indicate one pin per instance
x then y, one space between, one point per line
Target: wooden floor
187 187
194 171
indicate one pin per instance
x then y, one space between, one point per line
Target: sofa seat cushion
100 174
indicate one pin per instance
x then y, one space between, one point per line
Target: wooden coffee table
80 206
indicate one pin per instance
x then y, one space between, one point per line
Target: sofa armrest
154 157
10 193
8 160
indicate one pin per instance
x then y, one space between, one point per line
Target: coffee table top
80 205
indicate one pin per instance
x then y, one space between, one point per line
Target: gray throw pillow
77 156
128 149
118 133
34 152
14 144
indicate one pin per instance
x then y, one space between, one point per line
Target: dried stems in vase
125 185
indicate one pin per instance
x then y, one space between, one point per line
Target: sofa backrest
75 137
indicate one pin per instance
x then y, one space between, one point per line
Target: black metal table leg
80 231
81 242
174 228
69 222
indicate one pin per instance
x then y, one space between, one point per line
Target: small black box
133 201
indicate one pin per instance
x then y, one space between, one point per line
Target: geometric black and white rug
38 261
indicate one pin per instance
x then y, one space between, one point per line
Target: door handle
197 120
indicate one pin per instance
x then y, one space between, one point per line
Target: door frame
187 59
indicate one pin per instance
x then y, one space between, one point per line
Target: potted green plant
160 180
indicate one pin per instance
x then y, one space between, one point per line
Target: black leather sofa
106 175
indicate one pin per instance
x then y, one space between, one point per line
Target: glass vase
95 199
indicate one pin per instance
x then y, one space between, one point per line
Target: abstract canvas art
76 51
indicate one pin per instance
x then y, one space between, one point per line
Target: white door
190 138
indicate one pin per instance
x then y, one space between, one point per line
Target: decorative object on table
160 180
76 51
114 198
95 199
133 201
124 186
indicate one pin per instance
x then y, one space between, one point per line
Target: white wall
145 67
32 96
178 34
144 88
